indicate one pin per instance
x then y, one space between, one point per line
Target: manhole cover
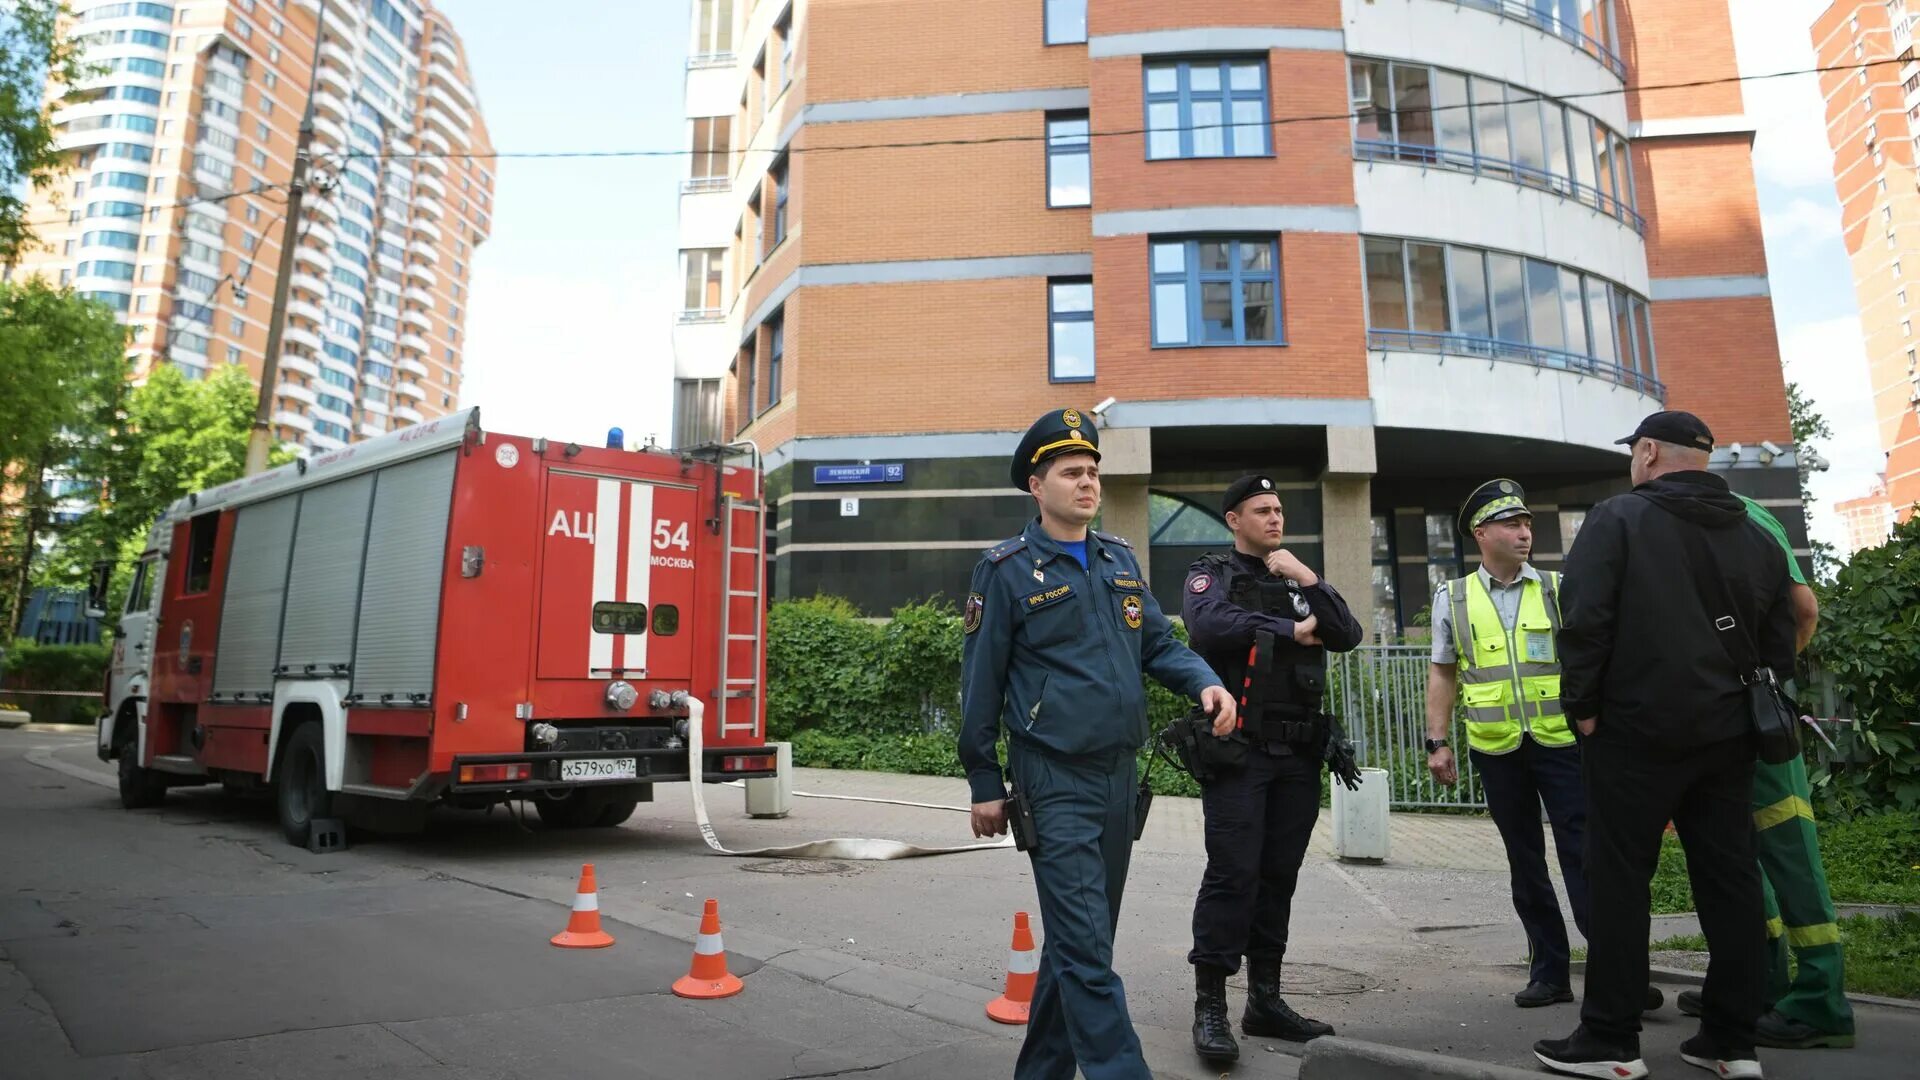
798 867
1319 980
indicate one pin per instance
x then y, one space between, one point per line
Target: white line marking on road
1373 900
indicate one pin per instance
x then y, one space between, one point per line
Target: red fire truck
448 614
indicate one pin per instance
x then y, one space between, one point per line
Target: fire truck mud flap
851 848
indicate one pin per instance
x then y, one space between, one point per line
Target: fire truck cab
447 614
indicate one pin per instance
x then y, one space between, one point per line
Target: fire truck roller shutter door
400 591
251 601
323 583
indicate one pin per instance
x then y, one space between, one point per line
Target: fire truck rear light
747 763
495 774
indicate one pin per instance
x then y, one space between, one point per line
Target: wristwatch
1434 745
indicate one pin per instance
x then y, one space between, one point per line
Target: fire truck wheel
139 787
576 811
616 812
303 794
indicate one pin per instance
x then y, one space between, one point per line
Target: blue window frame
776 352
1070 330
1069 160
1207 108
1066 22
1216 290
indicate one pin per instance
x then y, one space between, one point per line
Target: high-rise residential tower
182 148
1873 98
1379 250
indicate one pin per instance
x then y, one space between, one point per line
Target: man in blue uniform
1264 622
1059 628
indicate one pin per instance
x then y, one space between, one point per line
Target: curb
1332 1057
1656 973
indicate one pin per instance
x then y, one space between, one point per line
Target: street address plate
622 768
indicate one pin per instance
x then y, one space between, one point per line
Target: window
201 534
1069 167
713 22
1066 22
777 180
696 412
1207 108
702 267
712 147
1216 291
233 354
776 352
782 49
746 365
1070 329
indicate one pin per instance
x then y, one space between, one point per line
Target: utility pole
260 439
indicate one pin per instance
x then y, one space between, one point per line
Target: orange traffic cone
1023 967
583 926
708 977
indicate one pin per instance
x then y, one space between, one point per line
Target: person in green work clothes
1809 1006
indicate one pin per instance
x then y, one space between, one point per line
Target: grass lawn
1869 860
1883 953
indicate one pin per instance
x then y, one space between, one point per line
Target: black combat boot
1269 1014
1212 1031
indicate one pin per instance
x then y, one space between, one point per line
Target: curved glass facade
1467 301
1441 118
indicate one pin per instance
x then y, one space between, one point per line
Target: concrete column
1346 516
1126 465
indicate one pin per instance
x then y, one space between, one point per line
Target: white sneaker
1735 1065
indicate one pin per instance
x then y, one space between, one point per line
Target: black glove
1339 756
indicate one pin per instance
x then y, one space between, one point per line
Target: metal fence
1379 692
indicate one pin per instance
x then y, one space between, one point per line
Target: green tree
173 437
34 54
63 362
1869 641
1808 425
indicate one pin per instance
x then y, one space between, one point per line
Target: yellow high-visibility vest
1509 682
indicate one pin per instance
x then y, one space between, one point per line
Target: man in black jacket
1670 592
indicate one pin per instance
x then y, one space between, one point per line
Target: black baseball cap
1678 428
1243 489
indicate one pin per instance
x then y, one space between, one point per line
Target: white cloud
1802 221
566 356
1790 148
1827 359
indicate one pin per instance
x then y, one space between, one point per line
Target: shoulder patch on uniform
1004 548
975 605
1199 583
1112 539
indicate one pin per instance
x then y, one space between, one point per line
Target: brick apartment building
1872 104
1382 250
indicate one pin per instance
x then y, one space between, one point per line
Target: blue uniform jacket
1055 652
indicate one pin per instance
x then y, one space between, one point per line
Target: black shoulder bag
1774 715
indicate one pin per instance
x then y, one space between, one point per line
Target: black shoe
1729 1063
1540 993
1268 1014
1212 1031
1785 1033
1580 1054
1689 1001
1655 998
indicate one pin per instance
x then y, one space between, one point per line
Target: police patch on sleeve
1200 583
975 605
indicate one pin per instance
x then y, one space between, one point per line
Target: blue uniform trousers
1083 815
1259 820
1517 785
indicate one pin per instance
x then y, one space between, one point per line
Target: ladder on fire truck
743 576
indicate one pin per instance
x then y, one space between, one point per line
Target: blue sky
573 297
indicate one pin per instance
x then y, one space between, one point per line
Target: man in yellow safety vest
1496 656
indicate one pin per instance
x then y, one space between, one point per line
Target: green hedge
32 666
855 693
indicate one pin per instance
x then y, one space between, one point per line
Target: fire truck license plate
624 768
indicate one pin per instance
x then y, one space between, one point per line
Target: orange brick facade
913 281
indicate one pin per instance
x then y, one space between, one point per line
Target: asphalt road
192 941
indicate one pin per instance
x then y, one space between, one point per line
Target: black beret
1492 501
1062 431
1678 428
1243 489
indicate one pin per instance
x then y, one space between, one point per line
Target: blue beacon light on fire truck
616 439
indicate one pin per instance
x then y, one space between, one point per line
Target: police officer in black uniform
1059 627
1264 621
